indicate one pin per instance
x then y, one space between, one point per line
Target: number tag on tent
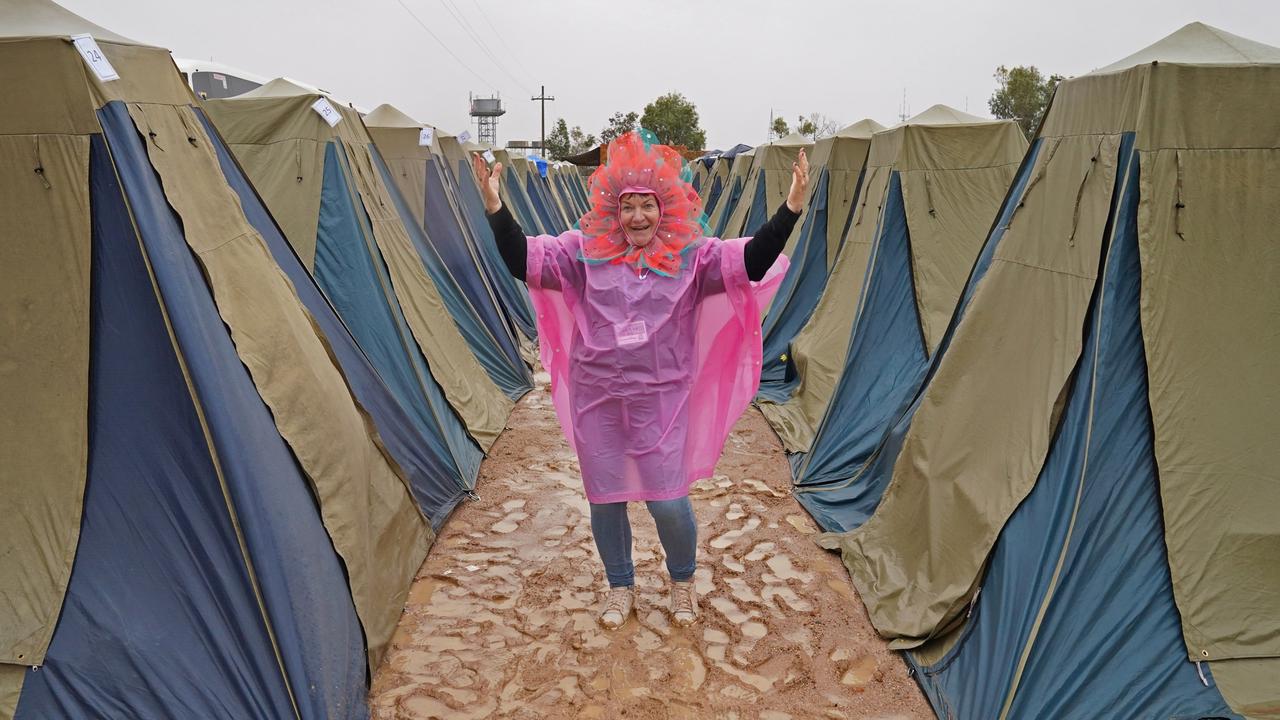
327 111
426 135
489 156
92 55
465 136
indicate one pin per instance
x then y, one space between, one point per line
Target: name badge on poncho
632 333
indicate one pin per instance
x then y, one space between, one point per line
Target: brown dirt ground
501 621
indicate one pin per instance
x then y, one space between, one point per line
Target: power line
475 37
445 47
489 22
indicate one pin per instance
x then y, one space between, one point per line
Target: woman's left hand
799 184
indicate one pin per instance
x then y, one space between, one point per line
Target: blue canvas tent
183 423
718 171
1081 453
511 292
836 174
375 264
931 190
427 200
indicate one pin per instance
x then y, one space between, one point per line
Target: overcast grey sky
736 60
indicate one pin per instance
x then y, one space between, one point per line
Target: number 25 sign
326 111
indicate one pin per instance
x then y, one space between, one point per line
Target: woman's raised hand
488 180
799 192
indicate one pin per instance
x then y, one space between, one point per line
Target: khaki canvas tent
456 159
1076 517
546 172
577 181
567 184
701 168
552 219
717 177
931 190
431 190
765 186
515 196
735 184
339 213
835 178
209 503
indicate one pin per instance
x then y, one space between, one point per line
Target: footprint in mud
711 487
804 525
731 612
508 524
759 552
727 539
783 571
760 487
783 599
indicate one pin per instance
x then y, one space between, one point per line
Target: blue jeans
677 530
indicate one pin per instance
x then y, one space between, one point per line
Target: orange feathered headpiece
637 164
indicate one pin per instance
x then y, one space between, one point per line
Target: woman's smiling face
639 215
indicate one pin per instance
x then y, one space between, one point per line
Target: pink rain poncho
649 371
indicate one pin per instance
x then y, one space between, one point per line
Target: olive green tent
296 159
949 170
835 179
1094 449
765 185
204 506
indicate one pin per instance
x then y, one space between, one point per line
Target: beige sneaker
684 604
618 604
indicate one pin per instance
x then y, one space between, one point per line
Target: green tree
620 124
580 141
817 125
779 127
563 142
806 126
674 119
1022 95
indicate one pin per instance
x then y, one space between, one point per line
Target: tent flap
288 175
1210 279
44 380
949 213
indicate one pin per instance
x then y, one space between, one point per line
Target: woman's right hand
488 180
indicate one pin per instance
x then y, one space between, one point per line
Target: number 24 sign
94 58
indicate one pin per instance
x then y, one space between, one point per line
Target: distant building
213 81
524 148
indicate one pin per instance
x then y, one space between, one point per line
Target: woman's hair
623 197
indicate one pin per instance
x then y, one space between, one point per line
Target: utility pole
542 97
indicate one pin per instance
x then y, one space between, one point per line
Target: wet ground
501 621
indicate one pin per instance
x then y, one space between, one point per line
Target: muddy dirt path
501 621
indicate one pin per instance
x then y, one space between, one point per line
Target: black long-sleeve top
759 254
